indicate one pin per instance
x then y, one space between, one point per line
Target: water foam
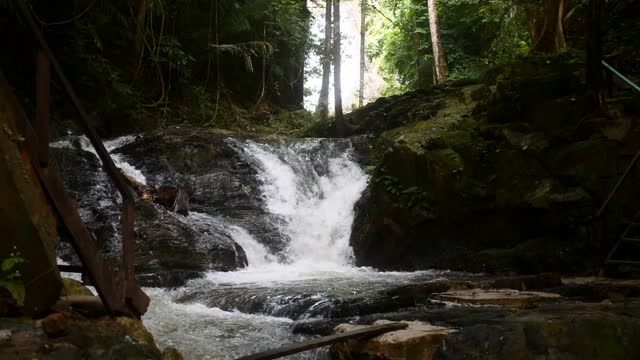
313 185
118 159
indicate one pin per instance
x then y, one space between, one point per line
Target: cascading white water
311 186
315 196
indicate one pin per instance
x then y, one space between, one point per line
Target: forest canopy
222 63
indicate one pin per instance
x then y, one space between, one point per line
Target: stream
308 188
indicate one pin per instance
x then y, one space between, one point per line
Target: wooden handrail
83 121
124 295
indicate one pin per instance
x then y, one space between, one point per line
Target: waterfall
312 185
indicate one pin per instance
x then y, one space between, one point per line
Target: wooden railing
119 292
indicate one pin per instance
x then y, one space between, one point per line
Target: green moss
447 160
73 287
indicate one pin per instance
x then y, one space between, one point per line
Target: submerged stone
505 297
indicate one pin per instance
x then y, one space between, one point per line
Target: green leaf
9 263
16 289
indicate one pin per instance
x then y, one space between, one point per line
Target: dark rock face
172 249
215 177
222 189
499 181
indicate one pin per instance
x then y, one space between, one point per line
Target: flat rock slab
505 297
418 341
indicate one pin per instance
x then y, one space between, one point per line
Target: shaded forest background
143 64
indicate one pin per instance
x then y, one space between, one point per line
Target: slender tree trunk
536 22
416 45
363 34
594 52
439 60
549 32
141 18
341 126
322 109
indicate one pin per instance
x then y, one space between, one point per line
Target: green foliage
412 197
10 277
189 52
475 35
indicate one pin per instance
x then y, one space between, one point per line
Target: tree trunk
536 22
594 52
549 32
416 45
439 60
322 109
363 33
341 126
141 18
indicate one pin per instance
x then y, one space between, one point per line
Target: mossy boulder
525 84
103 338
552 333
477 188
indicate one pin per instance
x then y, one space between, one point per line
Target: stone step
504 297
419 341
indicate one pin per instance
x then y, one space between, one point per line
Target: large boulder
495 182
217 178
172 247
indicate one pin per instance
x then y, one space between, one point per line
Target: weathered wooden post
43 81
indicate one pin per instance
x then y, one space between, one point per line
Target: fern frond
246 50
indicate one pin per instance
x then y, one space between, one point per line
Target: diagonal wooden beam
290 349
98 269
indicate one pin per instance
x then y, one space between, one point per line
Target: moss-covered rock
104 338
496 181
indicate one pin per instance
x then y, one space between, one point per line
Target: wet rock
530 282
475 93
564 332
419 341
505 297
212 172
598 289
64 351
55 325
171 249
172 244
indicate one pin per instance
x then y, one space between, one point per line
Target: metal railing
633 162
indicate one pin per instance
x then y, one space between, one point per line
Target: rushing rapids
306 190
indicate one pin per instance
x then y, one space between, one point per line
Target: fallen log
290 349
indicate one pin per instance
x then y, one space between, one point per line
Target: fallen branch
367 332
